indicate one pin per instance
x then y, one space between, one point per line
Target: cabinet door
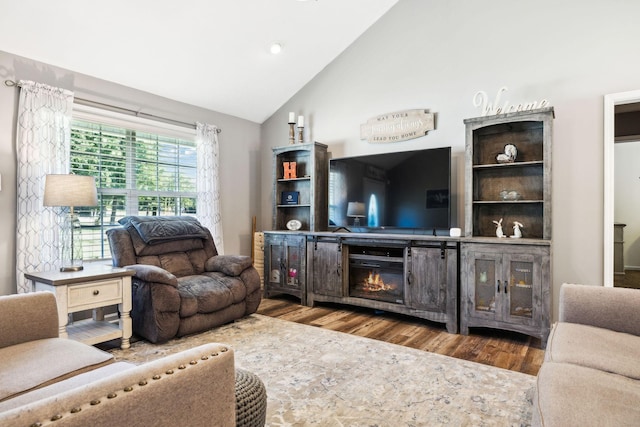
426 286
326 270
284 263
274 260
485 284
294 268
522 290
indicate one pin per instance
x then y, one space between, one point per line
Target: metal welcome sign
398 126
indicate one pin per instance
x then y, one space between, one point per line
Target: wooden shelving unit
310 184
506 282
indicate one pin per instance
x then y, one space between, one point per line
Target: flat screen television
404 192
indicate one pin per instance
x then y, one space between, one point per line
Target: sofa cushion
143 249
155 229
206 294
596 348
34 316
177 263
35 364
573 395
64 385
231 265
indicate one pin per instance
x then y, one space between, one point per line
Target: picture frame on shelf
290 198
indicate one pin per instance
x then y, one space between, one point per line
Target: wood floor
631 279
502 349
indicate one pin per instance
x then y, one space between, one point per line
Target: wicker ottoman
251 400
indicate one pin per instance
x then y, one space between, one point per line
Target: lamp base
72 268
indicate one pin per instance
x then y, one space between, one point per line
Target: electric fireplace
377 274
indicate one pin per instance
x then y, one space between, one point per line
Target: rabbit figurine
499 232
517 233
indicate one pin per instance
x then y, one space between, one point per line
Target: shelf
506 202
302 205
91 332
509 165
304 178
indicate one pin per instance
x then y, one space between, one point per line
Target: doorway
624 101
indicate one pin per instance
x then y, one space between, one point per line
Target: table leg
126 326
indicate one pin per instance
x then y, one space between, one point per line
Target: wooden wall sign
398 126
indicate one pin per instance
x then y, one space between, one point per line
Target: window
139 169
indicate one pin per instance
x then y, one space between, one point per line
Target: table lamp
355 210
71 191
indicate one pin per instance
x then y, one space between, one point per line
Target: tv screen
405 192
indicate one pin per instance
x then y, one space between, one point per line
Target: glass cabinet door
293 268
519 294
276 261
486 273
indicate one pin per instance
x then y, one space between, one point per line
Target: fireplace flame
374 283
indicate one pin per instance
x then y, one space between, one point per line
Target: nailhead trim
141 383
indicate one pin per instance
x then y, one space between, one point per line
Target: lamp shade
355 209
70 190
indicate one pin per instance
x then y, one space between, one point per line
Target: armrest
163 392
617 309
231 265
27 317
153 274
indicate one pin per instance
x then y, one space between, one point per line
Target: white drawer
94 293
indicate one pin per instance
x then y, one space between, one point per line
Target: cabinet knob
96 292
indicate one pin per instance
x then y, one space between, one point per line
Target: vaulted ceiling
209 53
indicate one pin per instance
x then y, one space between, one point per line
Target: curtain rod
87 102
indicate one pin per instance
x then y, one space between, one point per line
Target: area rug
317 377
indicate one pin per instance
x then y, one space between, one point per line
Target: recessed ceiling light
275 48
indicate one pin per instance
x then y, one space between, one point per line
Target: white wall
436 54
627 199
239 151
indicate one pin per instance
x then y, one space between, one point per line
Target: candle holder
292 133
300 134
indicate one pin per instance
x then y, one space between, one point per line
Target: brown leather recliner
181 286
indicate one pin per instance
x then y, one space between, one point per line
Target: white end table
93 288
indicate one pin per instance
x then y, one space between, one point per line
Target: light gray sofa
591 372
44 378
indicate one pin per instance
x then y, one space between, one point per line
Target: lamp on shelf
70 191
355 210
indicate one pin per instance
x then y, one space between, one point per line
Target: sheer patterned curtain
42 147
208 182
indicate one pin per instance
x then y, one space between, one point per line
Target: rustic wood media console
415 275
